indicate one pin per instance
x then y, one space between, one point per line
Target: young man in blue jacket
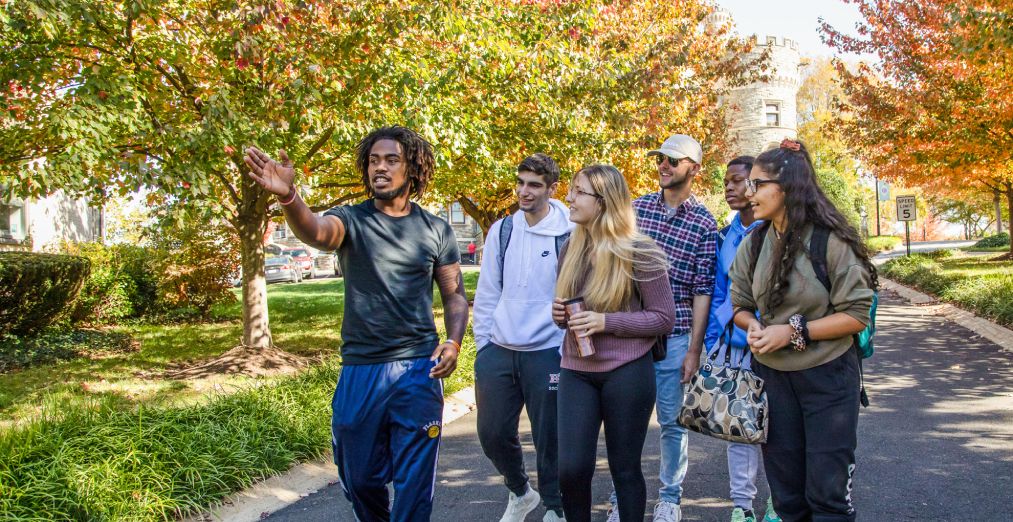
744 460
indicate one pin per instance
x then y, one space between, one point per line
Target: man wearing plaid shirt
687 232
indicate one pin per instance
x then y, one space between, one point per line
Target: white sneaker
613 513
519 507
551 516
667 512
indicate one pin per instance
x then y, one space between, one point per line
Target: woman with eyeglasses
621 276
802 344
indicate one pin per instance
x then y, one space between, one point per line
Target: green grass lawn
975 283
305 319
105 438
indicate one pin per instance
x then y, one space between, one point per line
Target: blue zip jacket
721 305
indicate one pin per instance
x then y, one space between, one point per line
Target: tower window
772 113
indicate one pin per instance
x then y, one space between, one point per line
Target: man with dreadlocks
388 404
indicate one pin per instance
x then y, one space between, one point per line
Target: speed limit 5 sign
906 209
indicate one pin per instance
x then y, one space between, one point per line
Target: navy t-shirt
388 264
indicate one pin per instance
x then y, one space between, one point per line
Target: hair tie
791 145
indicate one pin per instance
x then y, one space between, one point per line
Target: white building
41 224
761 114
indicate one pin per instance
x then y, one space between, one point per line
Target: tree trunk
998 212
485 218
252 225
1009 207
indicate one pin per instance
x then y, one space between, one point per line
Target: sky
793 19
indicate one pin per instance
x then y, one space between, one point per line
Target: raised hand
275 177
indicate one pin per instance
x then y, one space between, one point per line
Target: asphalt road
935 444
924 246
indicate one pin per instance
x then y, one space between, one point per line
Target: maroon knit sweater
628 335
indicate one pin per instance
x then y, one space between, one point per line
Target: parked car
282 268
325 264
303 258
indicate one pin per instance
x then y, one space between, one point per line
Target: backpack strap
722 234
818 254
560 239
506 228
818 257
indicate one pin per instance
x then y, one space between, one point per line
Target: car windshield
299 252
277 260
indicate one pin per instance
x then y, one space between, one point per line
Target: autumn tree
582 81
104 98
821 106
934 109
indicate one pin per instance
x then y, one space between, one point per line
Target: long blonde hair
605 253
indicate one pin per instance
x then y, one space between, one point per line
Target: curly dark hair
418 156
805 204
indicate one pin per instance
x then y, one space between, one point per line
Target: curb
301 480
994 332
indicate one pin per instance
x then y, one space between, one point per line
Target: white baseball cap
679 146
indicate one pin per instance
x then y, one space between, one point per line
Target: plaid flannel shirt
689 237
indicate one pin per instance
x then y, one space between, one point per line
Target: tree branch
319 143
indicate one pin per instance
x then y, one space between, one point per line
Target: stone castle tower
762 114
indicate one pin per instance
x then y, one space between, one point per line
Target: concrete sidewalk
935 444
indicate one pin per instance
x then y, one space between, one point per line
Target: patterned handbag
725 401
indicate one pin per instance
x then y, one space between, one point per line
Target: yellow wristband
455 343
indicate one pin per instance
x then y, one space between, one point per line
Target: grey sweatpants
505 381
744 461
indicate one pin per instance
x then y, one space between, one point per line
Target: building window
772 113
456 214
12 219
281 232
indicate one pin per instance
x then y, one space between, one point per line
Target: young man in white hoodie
518 344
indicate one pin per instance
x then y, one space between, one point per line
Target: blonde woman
621 275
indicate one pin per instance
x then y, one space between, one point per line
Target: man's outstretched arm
324 233
455 318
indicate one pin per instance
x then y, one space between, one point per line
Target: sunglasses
661 158
754 184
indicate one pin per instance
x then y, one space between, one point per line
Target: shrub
940 254
56 344
121 284
998 240
36 290
877 244
194 260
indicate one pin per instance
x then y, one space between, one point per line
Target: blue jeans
674 442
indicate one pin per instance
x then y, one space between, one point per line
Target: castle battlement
774 41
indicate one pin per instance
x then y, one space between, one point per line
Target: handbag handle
726 337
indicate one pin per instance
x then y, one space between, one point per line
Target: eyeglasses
578 192
754 184
661 158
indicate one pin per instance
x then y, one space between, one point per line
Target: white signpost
907 211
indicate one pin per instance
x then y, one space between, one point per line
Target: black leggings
623 398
